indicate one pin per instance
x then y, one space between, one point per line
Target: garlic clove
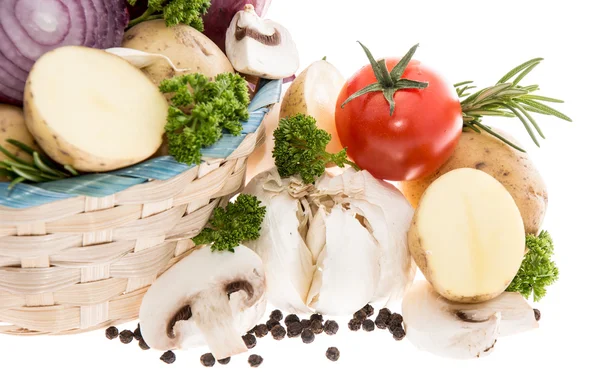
462 331
348 266
260 47
287 260
209 298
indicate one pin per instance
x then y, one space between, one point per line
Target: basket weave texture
84 263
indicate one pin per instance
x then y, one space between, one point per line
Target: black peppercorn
294 330
305 323
331 327
368 309
208 360
291 318
168 357
368 325
272 324
316 316
354 324
126 336
316 326
278 332
307 336
137 334
276 315
224 361
250 341
381 321
255 360
261 331
399 333
396 317
395 321
361 315
384 312
143 345
333 354
537 314
111 333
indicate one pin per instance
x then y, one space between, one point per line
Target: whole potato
185 46
510 167
12 126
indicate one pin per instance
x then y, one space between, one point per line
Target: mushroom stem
214 317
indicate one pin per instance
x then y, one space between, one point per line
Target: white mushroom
208 298
462 331
260 47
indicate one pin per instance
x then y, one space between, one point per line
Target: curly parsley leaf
174 12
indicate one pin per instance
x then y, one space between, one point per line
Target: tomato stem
388 82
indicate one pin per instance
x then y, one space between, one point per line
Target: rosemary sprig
507 98
41 169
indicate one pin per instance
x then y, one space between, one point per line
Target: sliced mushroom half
208 298
462 331
260 47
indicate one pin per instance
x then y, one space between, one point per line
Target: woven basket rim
24 196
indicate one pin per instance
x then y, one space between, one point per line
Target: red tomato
411 143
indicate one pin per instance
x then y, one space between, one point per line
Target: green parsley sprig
240 221
507 98
174 12
537 271
300 149
201 109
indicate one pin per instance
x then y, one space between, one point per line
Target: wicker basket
85 262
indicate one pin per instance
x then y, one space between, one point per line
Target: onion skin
221 13
31 28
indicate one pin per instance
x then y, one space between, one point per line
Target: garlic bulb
333 246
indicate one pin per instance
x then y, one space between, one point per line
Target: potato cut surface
471 236
95 104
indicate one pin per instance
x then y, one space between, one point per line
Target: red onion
220 14
30 28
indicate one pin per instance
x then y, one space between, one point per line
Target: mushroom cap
202 274
260 47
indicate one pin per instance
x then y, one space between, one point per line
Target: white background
476 40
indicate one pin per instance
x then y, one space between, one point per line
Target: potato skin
12 126
510 167
185 46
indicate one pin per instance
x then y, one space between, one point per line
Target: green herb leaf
174 12
201 109
537 271
240 221
300 148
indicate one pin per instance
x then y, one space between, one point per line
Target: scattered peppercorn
294 330
276 315
250 341
396 317
307 336
261 331
368 309
207 360
255 360
361 315
368 325
291 318
395 321
272 324
316 316
224 361
137 334
381 321
143 345
111 333
316 326
331 327
384 312
168 357
126 336
399 333
333 354
537 314
354 324
278 332
305 323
